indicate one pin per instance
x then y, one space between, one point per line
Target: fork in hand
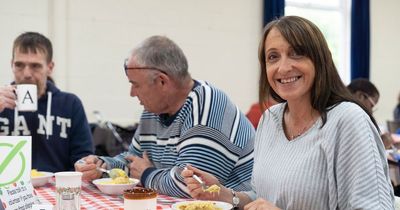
203 185
194 176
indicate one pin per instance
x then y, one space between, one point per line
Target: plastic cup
68 190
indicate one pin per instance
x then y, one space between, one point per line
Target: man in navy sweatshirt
59 128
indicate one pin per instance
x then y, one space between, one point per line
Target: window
333 19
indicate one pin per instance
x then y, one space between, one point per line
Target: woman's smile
289 79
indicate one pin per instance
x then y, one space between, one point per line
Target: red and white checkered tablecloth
92 198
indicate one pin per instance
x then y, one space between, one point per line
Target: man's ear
51 67
164 79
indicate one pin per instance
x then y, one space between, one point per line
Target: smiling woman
290 73
312 137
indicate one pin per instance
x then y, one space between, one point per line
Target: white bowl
39 181
217 204
114 189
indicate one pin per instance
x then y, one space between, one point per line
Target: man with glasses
59 128
365 92
185 121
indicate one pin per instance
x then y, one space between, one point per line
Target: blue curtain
360 39
273 9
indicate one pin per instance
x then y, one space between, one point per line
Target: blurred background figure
368 95
257 109
365 92
396 114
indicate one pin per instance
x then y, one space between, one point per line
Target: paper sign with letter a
16 190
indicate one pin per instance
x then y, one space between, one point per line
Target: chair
393 126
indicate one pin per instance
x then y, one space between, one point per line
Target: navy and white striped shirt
208 132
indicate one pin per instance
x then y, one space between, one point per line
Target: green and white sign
16 191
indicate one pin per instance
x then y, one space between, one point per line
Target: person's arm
360 165
237 199
81 144
204 152
119 161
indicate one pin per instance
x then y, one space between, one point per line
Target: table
92 198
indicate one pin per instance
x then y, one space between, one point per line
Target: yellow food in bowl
117 172
119 177
121 180
213 189
199 205
36 173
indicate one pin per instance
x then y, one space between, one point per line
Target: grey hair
162 53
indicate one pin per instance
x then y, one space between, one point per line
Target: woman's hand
260 204
194 187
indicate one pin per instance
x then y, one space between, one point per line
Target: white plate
114 189
39 181
218 204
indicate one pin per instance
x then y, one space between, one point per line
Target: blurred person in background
59 128
185 121
365 92
257 109
318 148
396 113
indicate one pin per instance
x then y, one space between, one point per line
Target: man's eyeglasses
126 68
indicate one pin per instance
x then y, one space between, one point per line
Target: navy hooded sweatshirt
59 128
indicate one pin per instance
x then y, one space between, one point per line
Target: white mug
26 97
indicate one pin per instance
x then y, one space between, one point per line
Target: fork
111 173
203 185
194 176
106 171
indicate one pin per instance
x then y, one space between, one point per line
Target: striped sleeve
208 150
119 160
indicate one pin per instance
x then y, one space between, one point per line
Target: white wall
92 38
385 60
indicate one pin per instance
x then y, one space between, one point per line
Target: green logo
14 153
